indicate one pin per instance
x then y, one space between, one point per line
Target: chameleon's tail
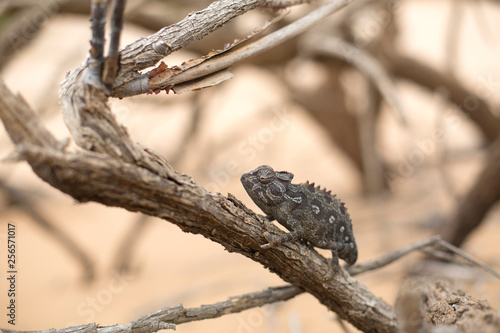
347 252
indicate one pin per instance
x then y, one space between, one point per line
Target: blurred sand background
171 267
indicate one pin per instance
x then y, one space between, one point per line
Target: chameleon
309 213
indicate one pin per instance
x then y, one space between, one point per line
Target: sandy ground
244 126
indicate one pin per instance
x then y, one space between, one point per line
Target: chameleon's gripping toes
308 212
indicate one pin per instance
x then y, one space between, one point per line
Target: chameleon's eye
264 179
265 176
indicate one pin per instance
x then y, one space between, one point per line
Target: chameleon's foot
335 261
270 239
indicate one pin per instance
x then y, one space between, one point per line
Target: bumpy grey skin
308 212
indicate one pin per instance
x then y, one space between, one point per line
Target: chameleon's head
266 187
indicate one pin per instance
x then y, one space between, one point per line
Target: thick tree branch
165 193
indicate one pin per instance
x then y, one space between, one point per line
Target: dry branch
427 305
160 191
168 317
146 52
220 62
435 241
111 64
114 171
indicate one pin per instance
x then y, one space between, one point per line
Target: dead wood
169 317
427 305
149 185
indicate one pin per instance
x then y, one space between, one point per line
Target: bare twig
467 257
98 18
116 27
111 63
227 59
398 253
146 52
169 317
391 256
283 3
